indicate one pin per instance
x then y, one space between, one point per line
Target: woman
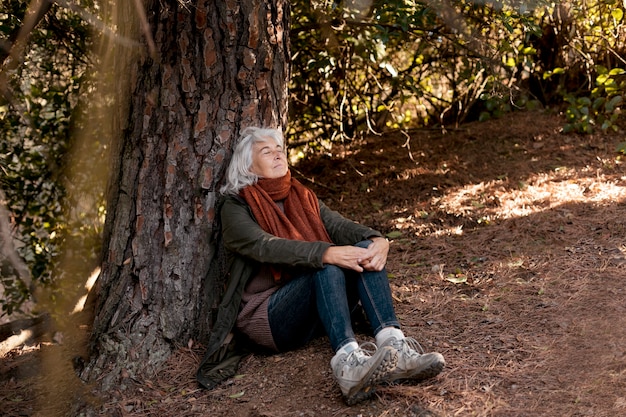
299 267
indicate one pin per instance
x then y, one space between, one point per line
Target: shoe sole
384 365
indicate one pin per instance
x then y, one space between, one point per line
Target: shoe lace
410 346
362 354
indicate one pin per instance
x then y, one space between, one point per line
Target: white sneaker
359 371
411 363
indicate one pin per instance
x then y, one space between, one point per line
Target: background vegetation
358 67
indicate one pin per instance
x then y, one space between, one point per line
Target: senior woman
299 265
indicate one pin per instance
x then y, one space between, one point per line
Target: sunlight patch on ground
541 193
14 341
412 223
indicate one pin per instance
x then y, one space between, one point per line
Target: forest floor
508 256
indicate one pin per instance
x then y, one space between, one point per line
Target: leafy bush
40 113
590 66
601 108
398 64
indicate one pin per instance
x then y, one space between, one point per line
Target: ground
508 256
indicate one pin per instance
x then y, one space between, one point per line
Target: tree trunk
204 71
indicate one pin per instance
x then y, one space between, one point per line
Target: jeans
323 300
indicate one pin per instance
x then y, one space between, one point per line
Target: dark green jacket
248 246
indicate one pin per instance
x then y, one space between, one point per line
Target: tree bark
217 66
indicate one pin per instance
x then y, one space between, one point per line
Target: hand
376 257
372 258
349 257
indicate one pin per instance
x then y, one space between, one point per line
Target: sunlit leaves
391 57
617 14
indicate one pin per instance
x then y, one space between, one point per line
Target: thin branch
312 180
37 9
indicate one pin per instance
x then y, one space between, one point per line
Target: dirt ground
508 256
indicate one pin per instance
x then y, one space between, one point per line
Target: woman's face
268 159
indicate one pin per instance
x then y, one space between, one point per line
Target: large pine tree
200 72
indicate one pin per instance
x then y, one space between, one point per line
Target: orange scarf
301 219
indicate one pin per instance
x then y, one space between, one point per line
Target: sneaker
359 371
413 364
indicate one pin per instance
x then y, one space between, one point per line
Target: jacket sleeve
243 235
343 231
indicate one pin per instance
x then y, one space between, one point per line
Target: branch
19 332
15 51
19 37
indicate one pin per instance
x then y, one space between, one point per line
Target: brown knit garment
301 217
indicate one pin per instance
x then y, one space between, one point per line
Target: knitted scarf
301 218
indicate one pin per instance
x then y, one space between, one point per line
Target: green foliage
345 71
39 114
401 63
602 107
591 66
398 64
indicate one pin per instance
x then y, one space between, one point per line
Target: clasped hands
372 258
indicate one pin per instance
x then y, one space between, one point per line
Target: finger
355 266
371 266
376 250
377 263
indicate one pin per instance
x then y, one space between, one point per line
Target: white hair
238 174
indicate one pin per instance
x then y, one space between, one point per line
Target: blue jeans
323 300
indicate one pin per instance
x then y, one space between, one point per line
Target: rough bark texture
218 66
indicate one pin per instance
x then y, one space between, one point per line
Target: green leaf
238 395
597 103
602 79
484 116
601 69
394 235
615 101
617 14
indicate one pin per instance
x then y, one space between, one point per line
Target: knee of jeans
363 244
332 275
330 269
